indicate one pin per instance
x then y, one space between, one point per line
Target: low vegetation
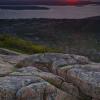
23 46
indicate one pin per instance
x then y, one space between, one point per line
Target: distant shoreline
23 7
63 19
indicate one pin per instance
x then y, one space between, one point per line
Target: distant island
22 7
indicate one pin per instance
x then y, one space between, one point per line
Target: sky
40 1
49 0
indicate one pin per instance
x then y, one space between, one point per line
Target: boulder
55 80
9 85
87 79
42 91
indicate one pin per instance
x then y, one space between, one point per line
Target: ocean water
58 12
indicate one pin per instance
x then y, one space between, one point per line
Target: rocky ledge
48 76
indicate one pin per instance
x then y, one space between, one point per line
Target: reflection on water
54 12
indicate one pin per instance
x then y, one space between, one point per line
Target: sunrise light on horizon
72 2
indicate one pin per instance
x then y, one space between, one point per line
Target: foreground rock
87 79
48 60
42 91
7 63
5 69
8 52
55 80
49 76
10 85
77 70
8 59
26 86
